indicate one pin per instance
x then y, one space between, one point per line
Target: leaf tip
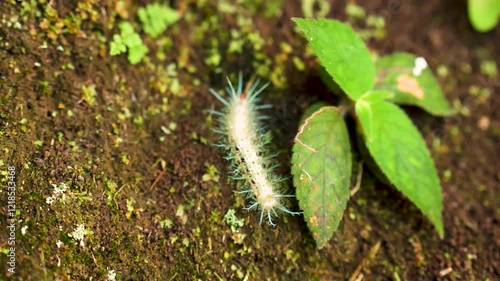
439 227
320 245
441 234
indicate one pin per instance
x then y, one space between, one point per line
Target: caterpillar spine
242 135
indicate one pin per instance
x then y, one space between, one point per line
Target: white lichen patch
58 194
24 229
79 234
63 194
111 275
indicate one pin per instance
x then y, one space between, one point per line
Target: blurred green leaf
412 82
155 18
117 46
137 53
483 14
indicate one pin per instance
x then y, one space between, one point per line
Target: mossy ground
132 145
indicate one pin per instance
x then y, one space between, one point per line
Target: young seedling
155 18
321 162
245 142
128 41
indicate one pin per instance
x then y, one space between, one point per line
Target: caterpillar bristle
230 85
263 117
274 167
246 141
281 180
285 210
263 106
275 214
253 87
215 112
253 206
254 94
221 99
274 155
243 191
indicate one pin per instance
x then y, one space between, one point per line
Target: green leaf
126 28
484 14
400 151
132 40
137 53
342 53
117 46
155 18
321 168
412 82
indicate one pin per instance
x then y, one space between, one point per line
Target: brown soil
134 160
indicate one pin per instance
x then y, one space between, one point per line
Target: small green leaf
126 28
400 151
132 40
342 53
321 168
137 53
117 46
155 18
413 83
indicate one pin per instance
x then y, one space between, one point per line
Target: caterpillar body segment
245 142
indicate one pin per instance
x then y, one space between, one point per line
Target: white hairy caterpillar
244 140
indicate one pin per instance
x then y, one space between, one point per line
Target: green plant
483 14
392 146
128 41
155 18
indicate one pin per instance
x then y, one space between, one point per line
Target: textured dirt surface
145 182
